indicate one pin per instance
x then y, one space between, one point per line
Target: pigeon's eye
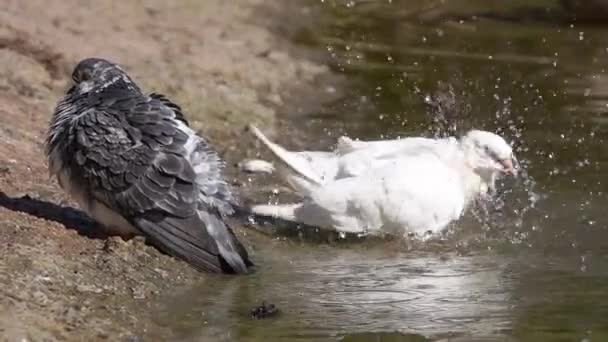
489 151
81 76
85 76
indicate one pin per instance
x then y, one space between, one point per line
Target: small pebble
255 166
264 311
88 288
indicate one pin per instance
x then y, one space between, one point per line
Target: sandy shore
220 60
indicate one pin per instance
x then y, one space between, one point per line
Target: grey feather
137 155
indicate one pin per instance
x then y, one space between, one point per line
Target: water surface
530 267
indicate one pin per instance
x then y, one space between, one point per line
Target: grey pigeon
133 163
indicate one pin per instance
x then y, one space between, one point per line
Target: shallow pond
531 267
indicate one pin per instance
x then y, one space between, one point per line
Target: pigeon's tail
298 165
203 240
229 247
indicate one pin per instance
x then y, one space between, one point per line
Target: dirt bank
220 60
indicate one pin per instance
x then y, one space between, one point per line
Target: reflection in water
349 292
559 302
532 265
384 337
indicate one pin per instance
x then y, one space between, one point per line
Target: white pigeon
411 185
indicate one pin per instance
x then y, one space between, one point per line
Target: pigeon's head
489 154
95 74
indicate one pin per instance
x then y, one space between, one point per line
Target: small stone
264 311
163 274
44 279
40 298
138 241
72 317
88 288
138 292
113 244
255 166
103 334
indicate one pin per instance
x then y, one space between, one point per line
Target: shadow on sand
71 218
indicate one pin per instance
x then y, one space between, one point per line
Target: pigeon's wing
177 110
376 154
207 164
414 193
305 165
139 158
347 145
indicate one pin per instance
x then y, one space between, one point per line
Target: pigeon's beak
509 166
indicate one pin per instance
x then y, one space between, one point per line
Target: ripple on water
384 336
367 297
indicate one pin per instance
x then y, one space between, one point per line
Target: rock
88 288
40 298
72 317
138 292
113 244
264 311
162 273
255 166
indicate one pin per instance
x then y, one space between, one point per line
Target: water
531 267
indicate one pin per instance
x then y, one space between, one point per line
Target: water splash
502 215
